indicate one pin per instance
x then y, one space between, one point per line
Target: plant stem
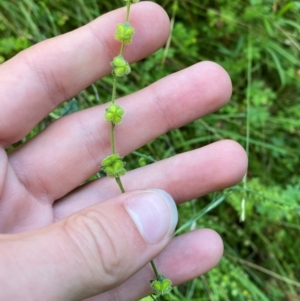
112 138
248 99
154 268
112 132
122 48
128 11
114 90
120 184
112 128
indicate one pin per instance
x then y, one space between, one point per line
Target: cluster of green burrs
114 113
113 165
124 33
120 66
161 288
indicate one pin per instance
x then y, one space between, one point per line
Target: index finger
37 80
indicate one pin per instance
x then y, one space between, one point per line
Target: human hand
63 243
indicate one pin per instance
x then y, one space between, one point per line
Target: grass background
258 43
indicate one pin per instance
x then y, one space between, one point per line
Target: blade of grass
204 211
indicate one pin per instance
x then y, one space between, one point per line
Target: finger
91 252
185 258
185 177
37 80
80 141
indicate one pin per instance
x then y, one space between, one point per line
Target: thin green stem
114 90
128 11
113 98
122 48
249 84
248 106
154 268
112 128
167 47
118 180
112 138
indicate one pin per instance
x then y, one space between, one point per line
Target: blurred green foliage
258 43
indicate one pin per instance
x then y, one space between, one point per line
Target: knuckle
95 235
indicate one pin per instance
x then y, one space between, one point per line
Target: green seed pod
142 161
109 160
120 66
114 113
161 286
113 166
124 33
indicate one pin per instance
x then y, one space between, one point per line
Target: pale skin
49 250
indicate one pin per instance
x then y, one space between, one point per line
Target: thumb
89 252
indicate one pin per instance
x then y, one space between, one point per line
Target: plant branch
112 138
154 268
119 182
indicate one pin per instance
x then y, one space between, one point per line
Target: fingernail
155 214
